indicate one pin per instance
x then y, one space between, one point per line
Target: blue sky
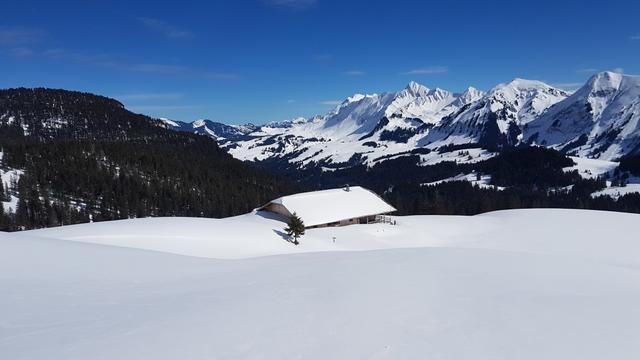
263 60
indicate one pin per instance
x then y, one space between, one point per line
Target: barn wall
282 210
359 220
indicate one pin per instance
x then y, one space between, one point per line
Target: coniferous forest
94 160
524 177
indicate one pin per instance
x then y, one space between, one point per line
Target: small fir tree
295 228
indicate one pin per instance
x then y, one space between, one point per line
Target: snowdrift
522 284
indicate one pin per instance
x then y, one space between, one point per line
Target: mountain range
70 157
599 120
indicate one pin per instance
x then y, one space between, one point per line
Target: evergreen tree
295 228
4 195
52 218
21 217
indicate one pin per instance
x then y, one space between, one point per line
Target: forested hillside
83 157
521 177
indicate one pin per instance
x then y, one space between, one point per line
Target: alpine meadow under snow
518 284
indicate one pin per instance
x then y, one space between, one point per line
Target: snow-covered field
592 168
519 284
616 191
483 182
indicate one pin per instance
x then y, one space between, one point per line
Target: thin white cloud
149 96
103 60
292 4
331 102
428 70
634 37
594 70
21 52
290 101
569 86
354 73
164 28
19 35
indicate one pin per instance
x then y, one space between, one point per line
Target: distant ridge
600 120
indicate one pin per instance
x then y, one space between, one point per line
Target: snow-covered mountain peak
416 89
604 88
356 98
168 122
471 94
286 123
518 85
378 125
601 119
606 80
440 94
526 99
200 123
490 117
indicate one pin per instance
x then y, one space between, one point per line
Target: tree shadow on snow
283 235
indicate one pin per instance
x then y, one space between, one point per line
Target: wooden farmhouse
334 207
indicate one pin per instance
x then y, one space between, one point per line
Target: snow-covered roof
326 206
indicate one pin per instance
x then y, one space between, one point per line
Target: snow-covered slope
496 118
366 126
494 286
260 234
600 120
222 133
592 168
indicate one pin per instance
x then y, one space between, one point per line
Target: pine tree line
86 156
532 177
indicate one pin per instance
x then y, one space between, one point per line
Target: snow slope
260 234
488 119
493 286
483 182
371 125
596 168
600 120
364 128
592 168
222 133
633 186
